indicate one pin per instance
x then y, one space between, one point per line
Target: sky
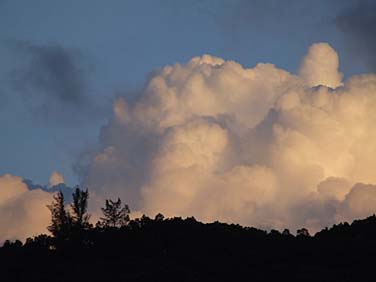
70 69
120 42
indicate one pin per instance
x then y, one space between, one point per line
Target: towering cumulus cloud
55 179
256 146
320 66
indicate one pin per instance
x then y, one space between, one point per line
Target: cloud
52 80
358 24
211 139
320 66
23 212
55 179
55 70
256 146
55 184
23 205
360 202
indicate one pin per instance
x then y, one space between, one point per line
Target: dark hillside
187 250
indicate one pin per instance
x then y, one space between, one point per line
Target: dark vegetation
176 249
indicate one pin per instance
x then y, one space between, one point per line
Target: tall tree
80 216
60 218
114 214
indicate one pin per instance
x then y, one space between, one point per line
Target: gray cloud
66 190
358 24
51 78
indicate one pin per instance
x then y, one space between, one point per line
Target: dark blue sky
63 62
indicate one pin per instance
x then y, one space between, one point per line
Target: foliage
114 215
80 216
303 232
66 225
61 221
176 249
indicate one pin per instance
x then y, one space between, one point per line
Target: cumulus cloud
257 146
360 202
320 66
23 212
55 179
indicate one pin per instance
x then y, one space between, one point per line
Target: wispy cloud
53 81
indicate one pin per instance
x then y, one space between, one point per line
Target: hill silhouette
177 249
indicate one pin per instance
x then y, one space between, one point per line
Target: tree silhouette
80 216
12 244
61 220
159 217
114 214
41 241
274 232
177 249
286 232
303 232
